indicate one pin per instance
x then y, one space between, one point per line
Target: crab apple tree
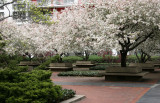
150 47
82 29
136 21
32 38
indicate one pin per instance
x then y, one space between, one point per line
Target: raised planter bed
31 64
83 65
60 66
124 73
145 66
155 63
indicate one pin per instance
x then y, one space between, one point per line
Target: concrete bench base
149 67
124 76
60 68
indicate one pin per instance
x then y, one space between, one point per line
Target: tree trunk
123 58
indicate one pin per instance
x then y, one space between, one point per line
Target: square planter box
28 63
124 73
84 62
145 66
31 64
117 69
60 66
83 65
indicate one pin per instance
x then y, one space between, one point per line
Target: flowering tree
150 47
125 24
32 38
81 29
136 21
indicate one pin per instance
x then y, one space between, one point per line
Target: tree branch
4 4
144 39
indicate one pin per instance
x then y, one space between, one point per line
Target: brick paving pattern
97 90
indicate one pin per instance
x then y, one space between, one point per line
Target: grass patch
82 73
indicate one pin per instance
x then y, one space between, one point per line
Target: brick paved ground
97 90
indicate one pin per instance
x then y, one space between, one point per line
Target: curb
74 99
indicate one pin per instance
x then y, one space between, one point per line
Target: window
19 15
1 14
63 2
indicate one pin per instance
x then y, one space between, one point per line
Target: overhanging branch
4 4
144 39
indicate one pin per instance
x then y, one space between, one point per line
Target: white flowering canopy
107 24
31 38
90 27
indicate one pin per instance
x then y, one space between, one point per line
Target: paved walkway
97 90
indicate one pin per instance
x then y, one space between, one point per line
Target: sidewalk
97 90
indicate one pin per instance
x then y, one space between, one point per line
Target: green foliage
18 86
132 59
154 58
9 75
72 59
9 61
36 13
67 93
95 58
39 14
81 73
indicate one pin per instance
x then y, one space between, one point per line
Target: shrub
72 59
95 58
132 59
81 73
17 86
67 93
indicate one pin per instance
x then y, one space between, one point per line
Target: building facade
16 10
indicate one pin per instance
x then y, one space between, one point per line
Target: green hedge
95 58
19 86
71 59
67 93
82 73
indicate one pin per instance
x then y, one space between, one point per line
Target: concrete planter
31 64
60 66
84 62
83 65
116 69
28 63
145 66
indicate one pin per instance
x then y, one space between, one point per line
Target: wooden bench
145 66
